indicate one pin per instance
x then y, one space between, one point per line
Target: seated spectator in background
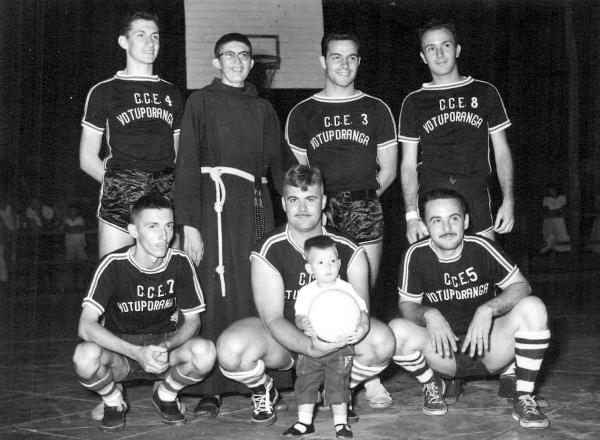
554 228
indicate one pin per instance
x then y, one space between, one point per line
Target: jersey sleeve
408 123
497 118
500 266
386 127
95 112
102 287
296 130
189 294
410 286
177 110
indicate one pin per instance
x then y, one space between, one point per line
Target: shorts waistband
359 194
155 174
454 179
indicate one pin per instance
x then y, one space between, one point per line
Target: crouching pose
467 311
278 272
138 292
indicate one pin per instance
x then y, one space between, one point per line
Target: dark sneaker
208 406
350 414
454 388
113 418
264 397
344 432
170 412
299 429
526 412
434 403
507 387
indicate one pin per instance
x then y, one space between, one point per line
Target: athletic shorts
476 193
136 372
122 188
333 371
467 366
356 214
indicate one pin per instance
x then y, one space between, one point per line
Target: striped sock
360 373
173 384
530 347
416 366
252 378
107 389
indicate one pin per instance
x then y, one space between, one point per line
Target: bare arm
480 327
176 143
150 357
185 332
415 229
387 158
358 277
268 291
193 244
89 151
505 218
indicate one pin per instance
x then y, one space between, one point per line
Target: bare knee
86 359
405 335
232 346
203 355
531 313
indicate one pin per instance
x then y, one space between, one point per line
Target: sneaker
434 403
454 388
526 412
264 397
508 384
208 406
350 414
344 431
170 412
378 396
113 418
299 429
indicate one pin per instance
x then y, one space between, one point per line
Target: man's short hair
337 36
442 194
228 38
319 242
434 25
153 200
303 176
137 15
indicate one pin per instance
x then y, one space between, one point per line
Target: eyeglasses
242 56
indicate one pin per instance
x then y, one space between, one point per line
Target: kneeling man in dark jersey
467 311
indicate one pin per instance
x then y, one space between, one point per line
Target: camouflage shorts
356 214
122 188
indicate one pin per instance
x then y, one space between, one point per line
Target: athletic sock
252 378
416 366
107 389
169 388
360 373
530 347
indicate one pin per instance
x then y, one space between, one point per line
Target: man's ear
457 50
323 202
423 57
322 61
131 228
122 40
466 221
216 64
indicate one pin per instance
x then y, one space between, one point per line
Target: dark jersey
135 300
456 287
341 137
140 115
279 251
452 123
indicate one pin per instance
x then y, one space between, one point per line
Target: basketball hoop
263 71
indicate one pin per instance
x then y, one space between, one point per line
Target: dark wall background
53 51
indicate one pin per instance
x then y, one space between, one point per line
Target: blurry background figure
74 226
7 227
554 228
593 243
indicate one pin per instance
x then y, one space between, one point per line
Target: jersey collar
443 259
145 270
121 75
295 245
331 99
461 83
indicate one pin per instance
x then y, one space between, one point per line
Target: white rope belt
220 196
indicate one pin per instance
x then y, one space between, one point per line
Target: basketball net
263 72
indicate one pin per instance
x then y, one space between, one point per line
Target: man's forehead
152 215
438 206
295 190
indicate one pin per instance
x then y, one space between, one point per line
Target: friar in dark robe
229 144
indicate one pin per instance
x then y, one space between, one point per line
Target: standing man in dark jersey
139 115
452 119
466 311
230 141
350 136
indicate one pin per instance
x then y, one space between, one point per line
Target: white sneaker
377 395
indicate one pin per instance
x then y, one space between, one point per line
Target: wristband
412 215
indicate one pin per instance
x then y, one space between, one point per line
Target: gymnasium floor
40 398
